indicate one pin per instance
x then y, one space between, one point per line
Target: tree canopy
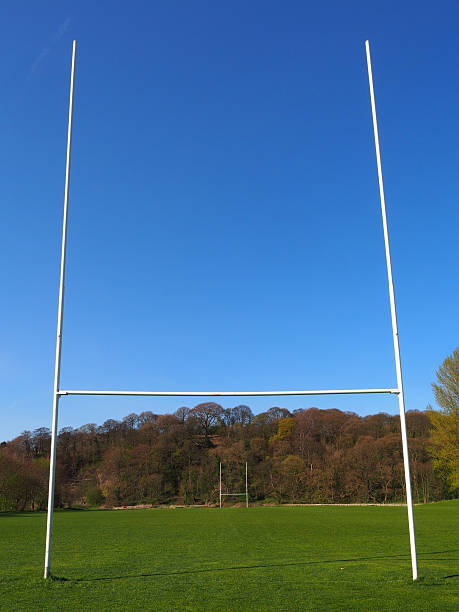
305 456
444 439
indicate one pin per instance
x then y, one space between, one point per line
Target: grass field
275 558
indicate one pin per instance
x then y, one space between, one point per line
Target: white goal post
58 393
246 494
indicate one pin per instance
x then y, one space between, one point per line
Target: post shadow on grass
400 557
35 513
59 578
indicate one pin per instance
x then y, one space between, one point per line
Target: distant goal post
246 494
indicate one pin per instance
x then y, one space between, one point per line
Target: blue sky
224 224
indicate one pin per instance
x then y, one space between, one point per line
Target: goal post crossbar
231 494
226 393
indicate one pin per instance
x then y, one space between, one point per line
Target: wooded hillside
312 456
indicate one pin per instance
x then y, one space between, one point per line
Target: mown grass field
275 558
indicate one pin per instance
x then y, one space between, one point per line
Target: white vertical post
220 484
57 366
393 312
246 488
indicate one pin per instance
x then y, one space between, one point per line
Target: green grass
277 558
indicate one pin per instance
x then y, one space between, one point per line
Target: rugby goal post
246 494
58 393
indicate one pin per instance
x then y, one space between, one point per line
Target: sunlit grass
277 558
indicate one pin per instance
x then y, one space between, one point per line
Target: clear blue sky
225 228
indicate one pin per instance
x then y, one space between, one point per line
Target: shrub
94 497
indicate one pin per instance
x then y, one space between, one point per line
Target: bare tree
207 415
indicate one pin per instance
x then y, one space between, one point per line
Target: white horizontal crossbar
226 393
231 494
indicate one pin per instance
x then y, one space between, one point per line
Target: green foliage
444 440
94 497
446 390
284 429
281 558
444 447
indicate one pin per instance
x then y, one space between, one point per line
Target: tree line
305 456
313 456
